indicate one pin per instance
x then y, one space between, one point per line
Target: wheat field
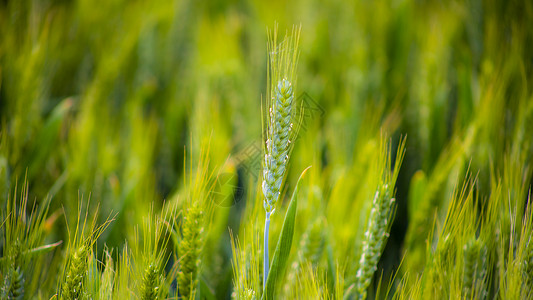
266 149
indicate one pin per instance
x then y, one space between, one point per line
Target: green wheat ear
150 283
379 220
80 249
475 269
73 287
375 238
311 249
280 102
13 286
189 251
282 63
21 235
107 278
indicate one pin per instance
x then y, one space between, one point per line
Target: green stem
265 251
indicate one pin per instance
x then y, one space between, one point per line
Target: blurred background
107 100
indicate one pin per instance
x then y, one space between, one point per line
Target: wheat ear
280 131
475 269
380 218
73 287
375 238
150 286
189 251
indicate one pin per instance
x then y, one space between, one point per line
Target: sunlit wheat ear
475 269
189 251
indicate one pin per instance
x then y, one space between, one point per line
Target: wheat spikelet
189 251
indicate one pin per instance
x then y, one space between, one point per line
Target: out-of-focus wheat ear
13 287
80 249
313 242
150 283
108 278
310 251
528 266
475 269
189 250
77 270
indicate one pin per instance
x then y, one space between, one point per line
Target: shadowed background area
116 101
